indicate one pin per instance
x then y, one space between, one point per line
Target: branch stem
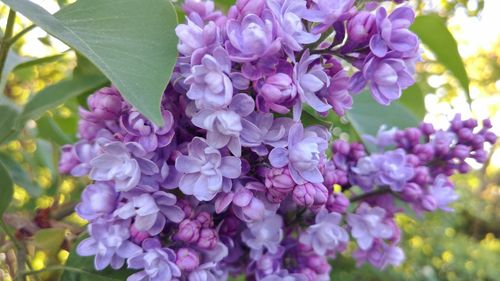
4 43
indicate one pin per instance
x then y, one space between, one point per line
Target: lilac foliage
233 182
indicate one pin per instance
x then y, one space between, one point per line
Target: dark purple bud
480 155
470 123
465 134
427 129
337 202
429 203
411 192
205 219
303 194
490 137
464 168
461 151
208 238
189 231
138 236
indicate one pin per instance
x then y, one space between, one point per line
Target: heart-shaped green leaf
132 42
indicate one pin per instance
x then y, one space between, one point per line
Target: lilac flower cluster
232 182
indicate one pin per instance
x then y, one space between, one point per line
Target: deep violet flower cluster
232 182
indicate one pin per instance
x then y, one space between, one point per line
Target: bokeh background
463 245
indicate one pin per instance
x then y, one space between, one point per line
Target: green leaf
8 117
32 62
20 176
413 99
49 129
435 35
49 239
366 116
6 189
85 270
57 94
132 42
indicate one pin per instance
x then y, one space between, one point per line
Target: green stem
4 44
380 191
21 33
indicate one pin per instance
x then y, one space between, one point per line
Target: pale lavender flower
261 129
151 211
196 40
386 76
380 255
310 78
291 30
116 164
305 150
209 269
105 104
394 169
75 159
210 86
139 129
337 93
158 263
224 125
368 224
326 235
393 33
206 171
264 234
251 38
327 12
109 243
98 200
187 259
385 137
443 192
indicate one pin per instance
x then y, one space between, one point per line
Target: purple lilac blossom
209 83
98 200
325 235
327 12
263 235
157 263
151 211
367 224
305 149
109 243
206 171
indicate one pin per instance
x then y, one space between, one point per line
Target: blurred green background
464 245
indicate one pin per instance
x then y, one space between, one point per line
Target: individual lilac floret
139 129
210 84
224 125
151 211
385 137
305 150
393 33
325 235
98 200
327 12
291 30
310 79
196 41
210 264
206 171
117 164
252 38
75 159
109 243
261 129
105 104
361 27
380 255
387 77
264 234
158 263
442 192
277 93
337 93
187 259
367 224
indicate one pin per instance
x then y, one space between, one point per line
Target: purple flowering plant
235 181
